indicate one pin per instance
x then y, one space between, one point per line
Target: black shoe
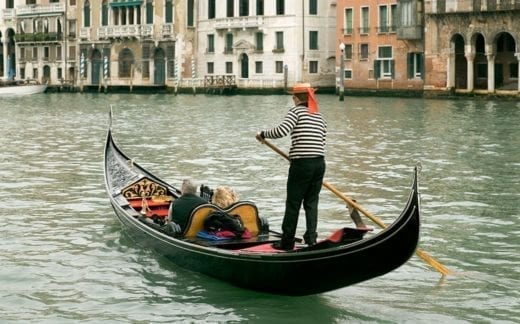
281 246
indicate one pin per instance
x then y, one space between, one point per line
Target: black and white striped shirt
308 132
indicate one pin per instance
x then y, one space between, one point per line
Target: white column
451 71
470 57
491 72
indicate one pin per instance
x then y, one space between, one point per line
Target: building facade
267 43
382 44
472 46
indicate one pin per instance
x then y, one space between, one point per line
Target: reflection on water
64 256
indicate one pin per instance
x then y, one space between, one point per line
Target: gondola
348 256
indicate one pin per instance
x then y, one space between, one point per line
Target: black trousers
303 186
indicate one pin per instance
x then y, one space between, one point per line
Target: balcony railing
124 31
39 37
8 14
239 22
33 10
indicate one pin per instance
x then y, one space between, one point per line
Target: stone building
472 46
33 39
267 43
382 44
134 42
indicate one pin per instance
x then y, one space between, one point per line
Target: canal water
65 258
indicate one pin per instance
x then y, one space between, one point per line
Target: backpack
222 221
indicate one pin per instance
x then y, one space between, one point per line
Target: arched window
86 14
126 60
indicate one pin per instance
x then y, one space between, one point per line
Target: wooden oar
420 253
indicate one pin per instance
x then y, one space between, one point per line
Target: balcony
8 14
125 31
52 9
39 37
239 22
167 30
409 33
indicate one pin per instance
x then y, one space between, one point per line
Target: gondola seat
148 196
247 211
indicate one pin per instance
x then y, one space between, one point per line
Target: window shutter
392 68
376 69
409 64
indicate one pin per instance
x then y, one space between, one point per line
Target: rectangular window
211 9
35 73
280 7
365 20
211 43
384 65
313 67
415 65
191 13
259 7
60 73
363 51
72 51
313 40
46 53
229 67
149 12
383 19
348 52
349 22
229 44
230 8
313 7
279 40
210 68
393 19
58 52
278 66
168 11
22 73
259 38
259 67
513 70
146 69
348 74
35 54
243 8
407 13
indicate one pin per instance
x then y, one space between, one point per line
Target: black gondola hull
294 273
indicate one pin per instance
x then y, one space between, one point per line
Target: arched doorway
159 74
9 64
480 63
244 66
461 66
506 64
97 67
46 74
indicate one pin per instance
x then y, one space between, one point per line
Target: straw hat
300 88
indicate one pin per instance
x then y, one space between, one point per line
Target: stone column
451 71
4 42
491 72
470 57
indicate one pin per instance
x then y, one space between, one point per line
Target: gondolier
308 130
